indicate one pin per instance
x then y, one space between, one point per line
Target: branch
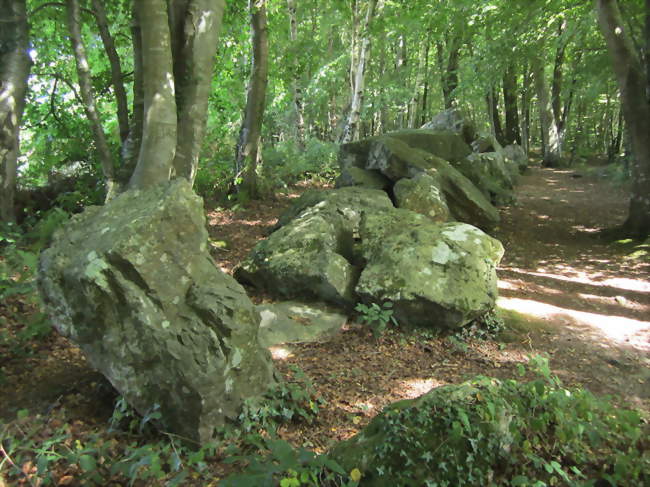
57 4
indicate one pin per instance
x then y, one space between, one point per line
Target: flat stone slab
296 322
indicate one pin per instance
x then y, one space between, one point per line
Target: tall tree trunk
425 90
116 69
295 82
131 147
249 146
492 100
158 145
551 143
15 64
449 69
351 128
525 109
194 56
512 134
87 95
635 101
417 89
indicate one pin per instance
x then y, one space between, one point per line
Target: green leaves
376 317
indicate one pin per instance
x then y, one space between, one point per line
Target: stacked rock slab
133 285
352 245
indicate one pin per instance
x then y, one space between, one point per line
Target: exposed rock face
296 322
312 255
447 145
355 176
453 120
489 173
342 251
422 194
436 275
515 154
133 285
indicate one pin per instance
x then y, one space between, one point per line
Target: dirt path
588 301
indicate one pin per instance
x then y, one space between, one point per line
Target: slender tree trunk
351 128
417 89
116 69
298 102
495 117
449 70
512 134
194 56
551 143
158 145
525 110
249 149
425 90
635 102
131 147
15 64
87 95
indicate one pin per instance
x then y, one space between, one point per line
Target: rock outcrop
343 251
132 283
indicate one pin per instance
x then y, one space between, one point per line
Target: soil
565 293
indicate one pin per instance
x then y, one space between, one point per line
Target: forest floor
565 294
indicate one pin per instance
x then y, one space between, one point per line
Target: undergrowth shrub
286 163
491 432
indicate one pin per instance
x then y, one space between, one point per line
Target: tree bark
417 89
351 128
495 117
248 155
551 146
87 95
116 69
193 69
449 69
298 102
15 64
512 134
158 145
635 102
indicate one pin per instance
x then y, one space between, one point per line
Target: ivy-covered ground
565 294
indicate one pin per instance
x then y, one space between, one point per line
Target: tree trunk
417 89
495 117
296 88
87 95
158 145
635 102
525 110
449 70
116 69
15 64
351 129
131 147
249 151
551 147
193 57
512 134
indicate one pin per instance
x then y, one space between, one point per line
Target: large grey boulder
447 145
312 254
453 120
296 322
465 201
436 275
132 283
364 178
515 154
489 172
422 194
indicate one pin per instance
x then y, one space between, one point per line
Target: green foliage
283 465
492 432
286 163
485 327
96 459
376 317
294 399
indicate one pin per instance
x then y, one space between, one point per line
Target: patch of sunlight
614 328
584 278
506 285
410 389
280 353
615 300
582 228
364 406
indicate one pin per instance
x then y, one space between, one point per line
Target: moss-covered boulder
514 154
446 145
395 159
438 276
489 173
364 178
312 254
422 194
132 283
453 120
